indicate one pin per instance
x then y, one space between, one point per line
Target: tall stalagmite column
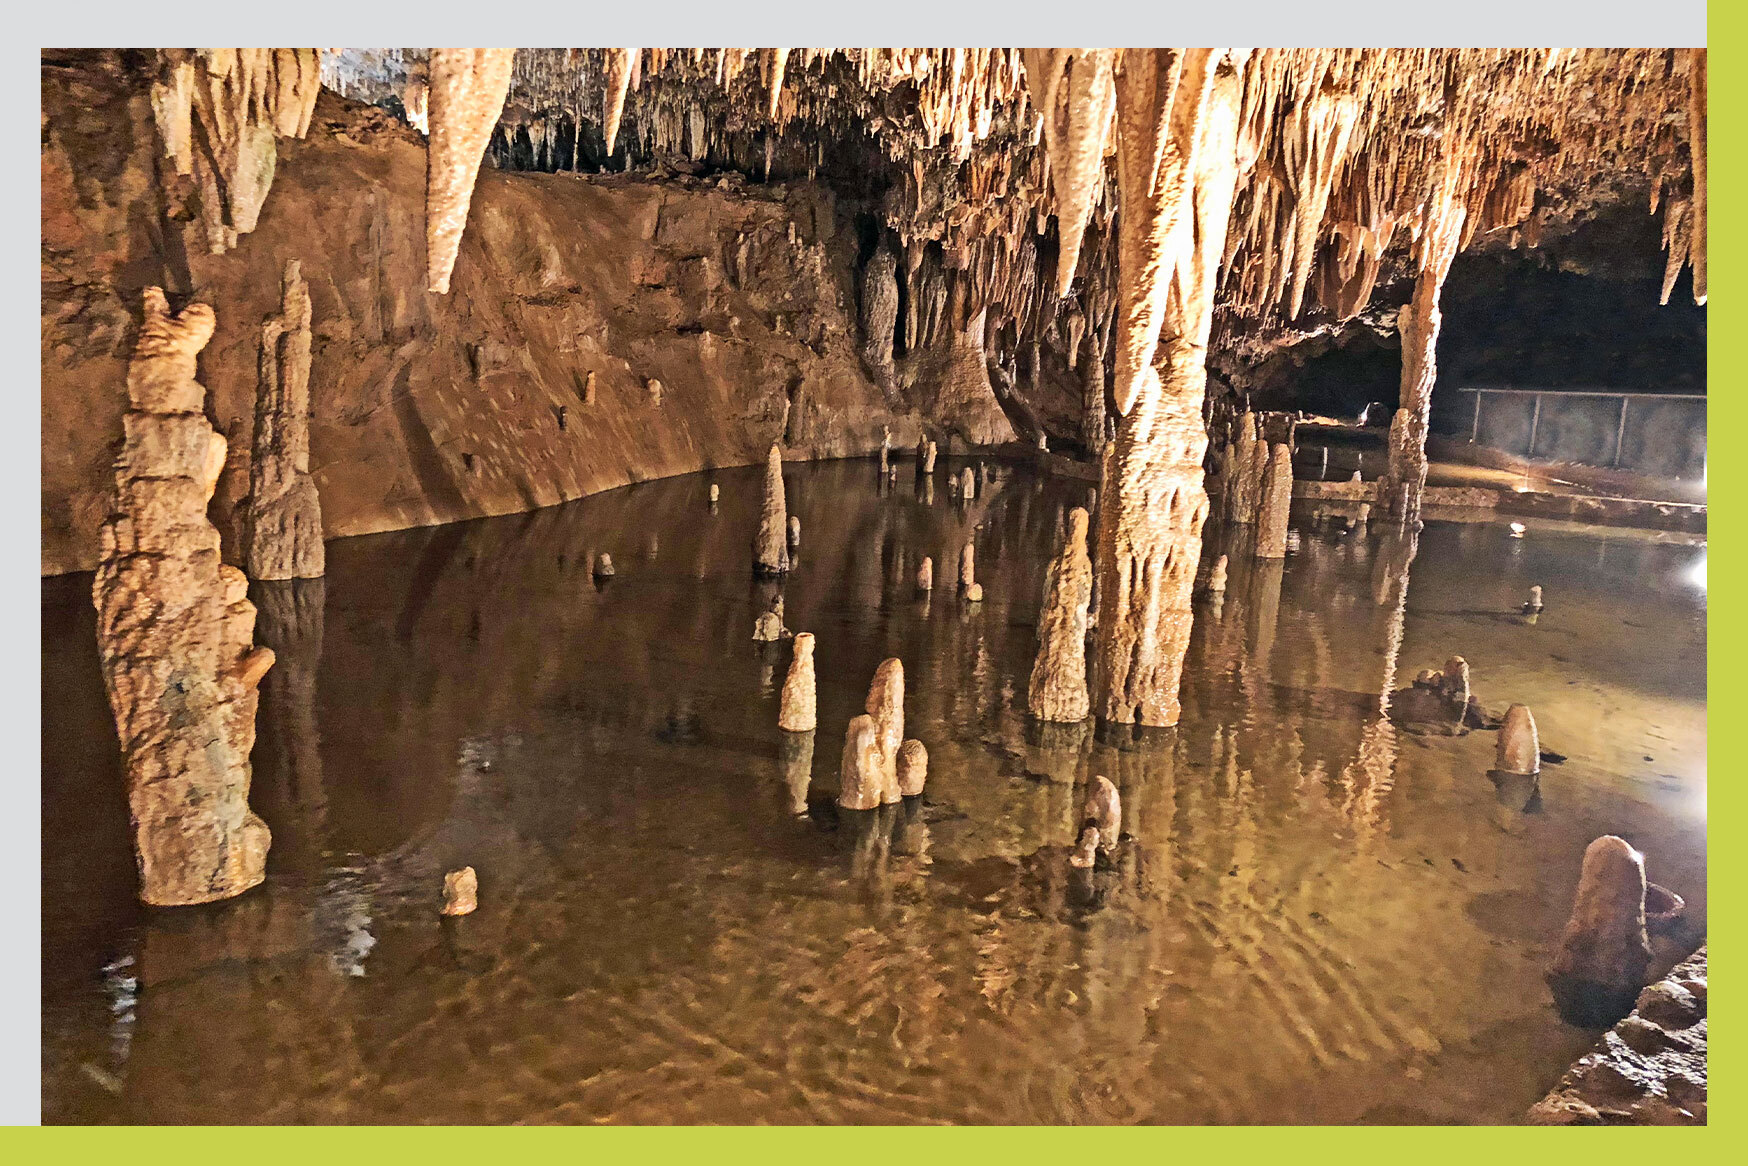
175 630
468 87
282 518
1058 690
771 550
1177 128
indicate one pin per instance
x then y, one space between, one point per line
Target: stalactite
1696 145
618 85
467 94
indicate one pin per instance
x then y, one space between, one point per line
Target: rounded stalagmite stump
604 566
1604 951
925 575
1277 504
794 532
974 593
885 704
460 892
799 712
861 771
1086 851
913 768
1519 751
968 564
1104 809
715 495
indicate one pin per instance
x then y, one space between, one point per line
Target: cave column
1177 125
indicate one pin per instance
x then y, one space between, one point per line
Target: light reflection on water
1319 915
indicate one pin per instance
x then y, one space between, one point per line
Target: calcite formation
281 521
771 548
1650 1069
862 773
794 532
928 462
1277 502
968 564
967 484
1244 480
798 712
1086 850
467 90
925 575
913 768
1604 951
1217 576
1104 809
885 704
1518 749
175 630
461 892
1058 688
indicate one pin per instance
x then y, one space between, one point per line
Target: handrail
1594 393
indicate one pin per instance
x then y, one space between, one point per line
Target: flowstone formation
1604 951
771 547
281 521
175 629
1058 689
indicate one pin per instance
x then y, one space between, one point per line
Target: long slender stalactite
467 95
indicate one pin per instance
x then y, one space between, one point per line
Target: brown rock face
1604 951
771 549
461 892
913 768
1277 501
798 712
1518 750
862 771
1104 809
175 630
281 521
885 704
1058 689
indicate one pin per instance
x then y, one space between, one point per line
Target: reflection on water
1317 914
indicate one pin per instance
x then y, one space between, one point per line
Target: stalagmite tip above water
1604 951
968 564
967 484
281 521
798 712
1518 750
885 704
460 892
862 772
1277 502
1104 809
771 549
1058 688
913 768
175 631
1086 850
467 90
1217 576
604 566
794 532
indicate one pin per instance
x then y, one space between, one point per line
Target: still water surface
1318 915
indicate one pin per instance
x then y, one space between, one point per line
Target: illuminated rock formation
925 575
885 704
771 549
1058 690
281 521
1518 749
1604 952
175 631
1217 576
879 314
798 712
1244 481
862 772
461 892
1104 809
968 564
467 90
967 484
1277 502
913 768
1086 850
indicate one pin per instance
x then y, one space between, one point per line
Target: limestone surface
175 631
1604 951
1058 688
798 711
281 521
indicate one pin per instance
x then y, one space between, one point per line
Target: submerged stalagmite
281 521
175 630
771 548
798 711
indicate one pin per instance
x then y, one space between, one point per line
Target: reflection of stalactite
288 782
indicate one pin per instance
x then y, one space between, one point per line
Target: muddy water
1318 916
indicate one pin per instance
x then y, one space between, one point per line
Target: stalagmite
604 566
771 551
974 593
1533 605
929 458
968 564
282 518
1604 951
1086 851
654 388
460 892
967 484
1104 809
862 771
175 631
589 389
1277 502
467 93
794 532
913 768
1092 415
885 704
1244 489
798 712
925 575
1058 689
1177 126
1518 750
715 495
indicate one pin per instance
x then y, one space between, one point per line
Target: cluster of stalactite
219 114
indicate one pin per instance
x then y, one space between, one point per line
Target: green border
1292 1146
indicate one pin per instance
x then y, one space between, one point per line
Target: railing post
1475 429
1535 420
1620 434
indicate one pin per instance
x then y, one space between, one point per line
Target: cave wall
429 409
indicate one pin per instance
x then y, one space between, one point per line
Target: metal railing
1581 429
